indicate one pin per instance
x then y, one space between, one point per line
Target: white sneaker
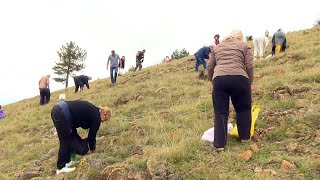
65 170
71 163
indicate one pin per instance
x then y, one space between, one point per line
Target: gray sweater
231 57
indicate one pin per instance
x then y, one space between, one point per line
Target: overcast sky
32 31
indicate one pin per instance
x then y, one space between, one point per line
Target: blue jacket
203 52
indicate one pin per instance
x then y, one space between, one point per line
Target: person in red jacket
67 116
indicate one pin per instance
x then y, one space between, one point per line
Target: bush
179 54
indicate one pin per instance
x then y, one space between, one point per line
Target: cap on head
89 77
279 30
144 50
48 75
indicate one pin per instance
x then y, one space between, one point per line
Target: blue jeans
113 74
200 60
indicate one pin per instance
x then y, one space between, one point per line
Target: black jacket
86 116
81 80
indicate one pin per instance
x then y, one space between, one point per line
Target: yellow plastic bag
255 109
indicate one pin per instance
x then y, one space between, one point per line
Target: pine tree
71 59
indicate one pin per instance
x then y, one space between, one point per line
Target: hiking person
139 59
80 81
201 55
230 69
67 116
279 42
216 40
1 113
260 44
121 65
114 63
44 89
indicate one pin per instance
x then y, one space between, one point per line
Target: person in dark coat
67 116
279 42
80 81
201 55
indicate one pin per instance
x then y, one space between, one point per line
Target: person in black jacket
67 116
80 81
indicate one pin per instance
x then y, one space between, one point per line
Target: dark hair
217 35
0 106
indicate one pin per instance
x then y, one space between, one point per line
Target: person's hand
251 87
93 151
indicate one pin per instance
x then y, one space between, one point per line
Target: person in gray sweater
230 68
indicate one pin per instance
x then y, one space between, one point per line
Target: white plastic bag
208 135
62 96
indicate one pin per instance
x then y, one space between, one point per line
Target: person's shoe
71 163
244 140
219 150
65 170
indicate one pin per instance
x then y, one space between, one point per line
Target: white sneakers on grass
67 168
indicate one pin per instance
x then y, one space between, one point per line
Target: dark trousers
44 96
77 86
69 139
238 88
138 65
64 134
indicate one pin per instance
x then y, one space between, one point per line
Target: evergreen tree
71 59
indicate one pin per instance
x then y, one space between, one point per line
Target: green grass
167 111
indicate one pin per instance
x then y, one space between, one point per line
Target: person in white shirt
260 45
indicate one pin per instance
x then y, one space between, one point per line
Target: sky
32 32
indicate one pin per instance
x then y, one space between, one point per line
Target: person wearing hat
114 63
279 42
67 116
139 59
44 89
80 81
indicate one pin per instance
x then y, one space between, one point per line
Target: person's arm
92 135
249 64
211 65
108 62
207 52
48 81
87 82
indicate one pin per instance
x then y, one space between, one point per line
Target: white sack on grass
208 135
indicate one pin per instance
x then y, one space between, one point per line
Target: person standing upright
121 65
139 59
44 89
114 64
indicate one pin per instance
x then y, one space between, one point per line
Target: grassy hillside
160 114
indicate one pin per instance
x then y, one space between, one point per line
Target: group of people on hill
67 116
230 69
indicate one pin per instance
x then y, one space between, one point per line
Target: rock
258 170
285 165
115 172
28 175
97 163
292 147
246 155
254 147
137 150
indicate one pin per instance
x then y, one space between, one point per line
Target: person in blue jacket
201 55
